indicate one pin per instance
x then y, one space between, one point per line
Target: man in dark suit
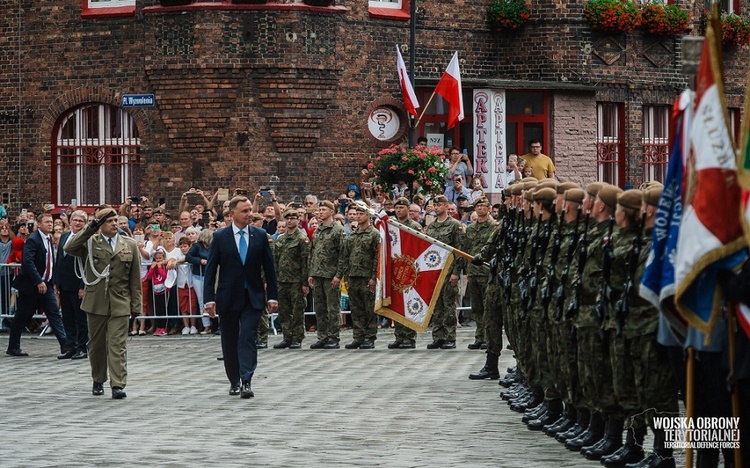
70 290
34 285
240 251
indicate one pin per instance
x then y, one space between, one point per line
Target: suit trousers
74 320
107 348
239 334
27 305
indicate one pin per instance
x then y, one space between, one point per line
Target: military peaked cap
402 201
440 199
291 214
327 204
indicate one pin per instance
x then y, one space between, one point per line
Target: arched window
95 156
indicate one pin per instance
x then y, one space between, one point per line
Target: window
655 142
99 8
730 6
610 142
435 119
389 9
527 114
95 156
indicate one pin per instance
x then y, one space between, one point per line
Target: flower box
665 20
613 16
507 15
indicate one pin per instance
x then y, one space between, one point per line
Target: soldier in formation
566 264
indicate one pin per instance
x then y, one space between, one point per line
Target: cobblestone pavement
381 407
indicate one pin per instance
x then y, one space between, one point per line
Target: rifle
511 244
546 294
622 308
575 305
534 280
526 272
560 292
605 289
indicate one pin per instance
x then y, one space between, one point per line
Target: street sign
138 100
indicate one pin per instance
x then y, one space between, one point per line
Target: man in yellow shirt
540 163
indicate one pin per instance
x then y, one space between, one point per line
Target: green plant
664 20
735 29
616 16
399 163
507 15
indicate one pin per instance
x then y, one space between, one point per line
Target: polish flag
449 87
410 99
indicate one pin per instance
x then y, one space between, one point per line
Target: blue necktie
243 246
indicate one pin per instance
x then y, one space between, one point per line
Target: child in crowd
185 291
197 256
157 276
173 254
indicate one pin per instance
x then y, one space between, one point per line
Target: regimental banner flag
449 87
711 237
658 283
743 168
411 271
407 91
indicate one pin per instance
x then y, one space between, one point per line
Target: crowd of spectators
174 243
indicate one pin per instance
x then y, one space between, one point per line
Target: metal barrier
7 294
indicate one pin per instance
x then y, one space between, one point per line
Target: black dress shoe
234 390
98 389
67 354
353 345
448 345
331 345
80 355
16 352
476 345
367 344
118 393
262 345
282 344
435 344
295 345
245 390
318 344
485 373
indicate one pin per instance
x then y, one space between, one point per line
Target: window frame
607 145
117 8
80 146
656 119
383 10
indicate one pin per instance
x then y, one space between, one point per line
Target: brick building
280 93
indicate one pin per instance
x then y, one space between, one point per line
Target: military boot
489 371
554 410
609 444
661 457
534 413
566 421
631 452
591 435
580 425
534 398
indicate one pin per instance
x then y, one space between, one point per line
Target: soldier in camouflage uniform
447 230
405 337
361 262
290 258
493 300
475 238
326 268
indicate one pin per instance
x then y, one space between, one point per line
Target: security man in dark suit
70 290
34 285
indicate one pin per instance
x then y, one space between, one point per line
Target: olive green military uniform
541 341
326 261
361 262
290 259
402 333
108 303
444 314
521 345
493 298
475 238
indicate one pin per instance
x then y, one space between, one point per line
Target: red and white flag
449 87
411 270
410 98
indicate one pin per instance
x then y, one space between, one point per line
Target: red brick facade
279 94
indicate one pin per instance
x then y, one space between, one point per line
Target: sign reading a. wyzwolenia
138 100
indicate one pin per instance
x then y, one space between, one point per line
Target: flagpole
412 60
689 397
424 109
429 239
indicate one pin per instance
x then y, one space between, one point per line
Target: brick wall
270 97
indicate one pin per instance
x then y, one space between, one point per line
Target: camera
63 212
204 218
136 199
265 192
30 226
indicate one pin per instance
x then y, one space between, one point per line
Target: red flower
432 169
411 172
370 166
393 168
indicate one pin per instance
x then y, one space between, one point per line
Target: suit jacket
234 275
64 274
33 264
121 295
